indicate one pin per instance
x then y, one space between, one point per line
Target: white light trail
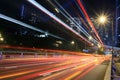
70 18
55 18
26 25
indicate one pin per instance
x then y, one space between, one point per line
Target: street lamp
72 42
1 39
102 19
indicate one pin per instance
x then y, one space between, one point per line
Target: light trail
26 25
56 69
84 73
88 19
79 71
70 18
72 72
37 69
66 68
55 18
26 65
83 21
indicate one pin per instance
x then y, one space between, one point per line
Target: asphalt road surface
53 68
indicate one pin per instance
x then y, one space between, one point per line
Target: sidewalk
98 73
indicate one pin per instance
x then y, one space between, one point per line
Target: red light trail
88 19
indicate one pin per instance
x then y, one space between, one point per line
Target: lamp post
101 20
112 39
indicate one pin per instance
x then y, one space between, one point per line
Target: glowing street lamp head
102 19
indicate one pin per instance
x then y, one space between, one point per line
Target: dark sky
94 7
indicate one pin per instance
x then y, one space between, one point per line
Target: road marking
10 67
56 74
46 74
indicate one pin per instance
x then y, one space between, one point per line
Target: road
48 68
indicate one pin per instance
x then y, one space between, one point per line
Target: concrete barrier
108 72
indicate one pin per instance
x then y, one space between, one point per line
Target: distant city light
60 42
90 38
92 44
56 10
72 42
1 39
99 46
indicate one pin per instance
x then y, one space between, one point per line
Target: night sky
97 6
